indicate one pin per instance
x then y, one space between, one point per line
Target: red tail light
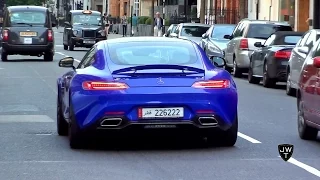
212 84
50 36
244 44
282 54
90 85
5 35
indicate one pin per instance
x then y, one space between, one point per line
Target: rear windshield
291 39
193 31
263 31
148 53
27 18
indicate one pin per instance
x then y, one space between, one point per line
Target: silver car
191 31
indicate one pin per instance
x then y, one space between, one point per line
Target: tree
24 2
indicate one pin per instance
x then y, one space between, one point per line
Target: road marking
24 118
67 56
306 167
59 45
49 134
248 138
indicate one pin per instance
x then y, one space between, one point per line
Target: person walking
158 24
134 24
124 22
106 23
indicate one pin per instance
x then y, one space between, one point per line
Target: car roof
195 24
39 8
145 39
288 33
80 12
265 22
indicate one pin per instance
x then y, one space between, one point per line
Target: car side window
317 50
177 29
243 27
237 30
310 40
209 31
304 39
270 40
88 59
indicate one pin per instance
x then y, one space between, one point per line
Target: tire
236 71
266 80
48 56
289 90
75 135
71 45
229 69
228 137
251 78
305 132
65 47
4 56
62 125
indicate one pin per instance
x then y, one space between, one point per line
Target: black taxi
83 28
27 30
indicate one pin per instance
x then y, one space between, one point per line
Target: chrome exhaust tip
111 122
208 121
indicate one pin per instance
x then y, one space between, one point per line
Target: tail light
50 37
243 44
90 85
282 54
5 35
212 84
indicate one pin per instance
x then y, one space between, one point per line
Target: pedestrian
134 24
124 22
158 24
107 23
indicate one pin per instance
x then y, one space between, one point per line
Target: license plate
89 42
27 41
23 34
176 112
284 63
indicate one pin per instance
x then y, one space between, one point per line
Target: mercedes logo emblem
160 81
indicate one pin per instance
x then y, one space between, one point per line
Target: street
31 149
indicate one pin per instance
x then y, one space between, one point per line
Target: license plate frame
161 113
89 41
28 34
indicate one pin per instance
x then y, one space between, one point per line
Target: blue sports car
134 83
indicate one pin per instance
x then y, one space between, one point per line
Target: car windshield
147 53
27 18
219 31
86 19
193 31
291 39
263 31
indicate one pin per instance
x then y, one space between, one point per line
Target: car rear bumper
79 42
278 70
27 49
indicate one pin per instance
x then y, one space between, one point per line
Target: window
270 40
317 50
147 53
136 7
291 39
88 59
304 39
263 31
193 31
219 31
27 17
86 19
237 31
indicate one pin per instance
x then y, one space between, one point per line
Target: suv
83 28
242 40
27 30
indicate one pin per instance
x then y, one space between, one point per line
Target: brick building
119 7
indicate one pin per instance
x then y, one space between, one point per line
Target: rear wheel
65 47
252 79
62 125
4 56
267 81
48 56
76 136
305 132
236 71
289 91
71 45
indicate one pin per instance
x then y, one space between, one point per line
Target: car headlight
75 32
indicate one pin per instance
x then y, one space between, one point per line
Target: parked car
147 83
308 95
298 56
212 41
269 62
170 30
241 44
191 31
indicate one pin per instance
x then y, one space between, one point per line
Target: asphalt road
31 149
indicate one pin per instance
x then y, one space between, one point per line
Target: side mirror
227 37
174 35
257 44
67 62
53 24
67 23
204 36
316 62
218 61
303 50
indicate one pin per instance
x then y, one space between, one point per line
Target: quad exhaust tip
208 121
111 122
